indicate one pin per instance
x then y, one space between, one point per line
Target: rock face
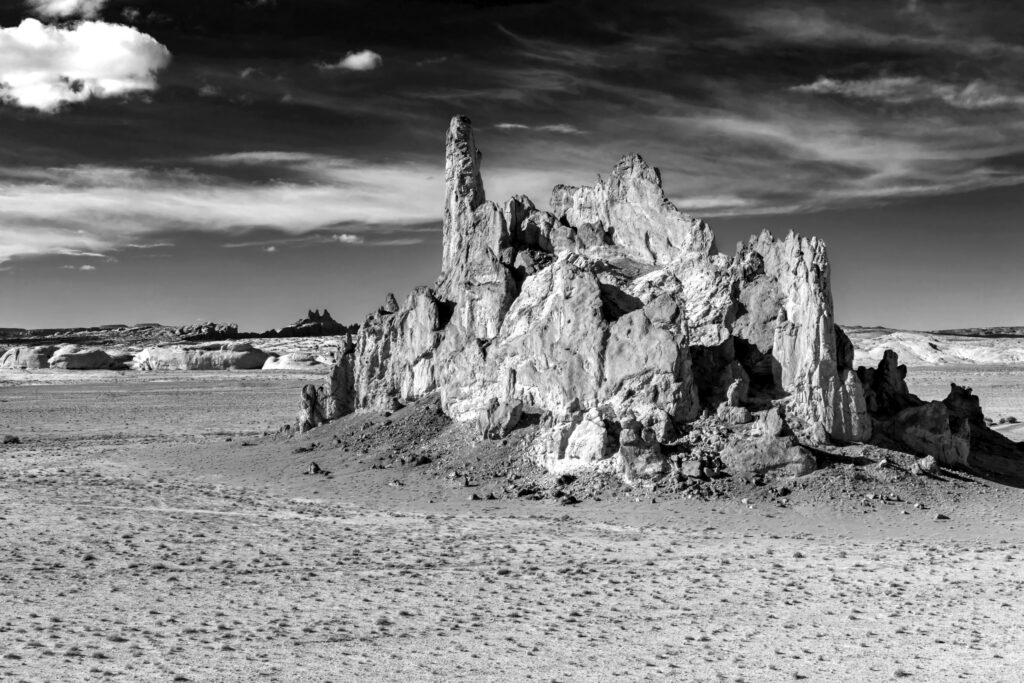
209 356
72 357
27 357
952 431
613 322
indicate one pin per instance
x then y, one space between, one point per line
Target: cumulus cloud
346 238
67 8
44 67
363 60
85 267
909 89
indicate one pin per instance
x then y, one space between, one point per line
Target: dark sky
243 161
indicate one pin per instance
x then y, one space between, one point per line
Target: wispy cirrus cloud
561 128
816 26
910 89
99 209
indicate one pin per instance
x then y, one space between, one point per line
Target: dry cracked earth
160 528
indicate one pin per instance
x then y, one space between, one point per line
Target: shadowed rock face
953 431
614 321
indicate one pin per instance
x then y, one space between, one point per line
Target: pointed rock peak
633 167
390 304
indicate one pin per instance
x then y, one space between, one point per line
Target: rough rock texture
500 418
615 322
335 397
631 211
27 357
209 356
774 450
72 357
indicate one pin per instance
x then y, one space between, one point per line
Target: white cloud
68 8
909 89
363 60
271 249
91 209
85 267
562 128
346 238
43 67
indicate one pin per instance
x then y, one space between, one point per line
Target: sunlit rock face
614 321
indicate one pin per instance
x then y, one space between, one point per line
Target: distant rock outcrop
613 322
208 332
315 324
27 357
73 357
209 356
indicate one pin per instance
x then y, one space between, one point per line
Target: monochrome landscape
523 426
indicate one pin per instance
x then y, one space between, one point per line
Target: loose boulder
772 450
499 419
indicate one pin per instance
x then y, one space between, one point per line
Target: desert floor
152 532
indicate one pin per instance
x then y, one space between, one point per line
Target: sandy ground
140 543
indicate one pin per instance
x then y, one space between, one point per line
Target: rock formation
613 321
72 357
315 324
27 357
952 431
209 356
207 332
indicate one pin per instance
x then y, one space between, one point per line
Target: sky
246 160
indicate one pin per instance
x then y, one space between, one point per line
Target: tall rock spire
463 189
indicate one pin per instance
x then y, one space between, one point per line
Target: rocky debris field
167 530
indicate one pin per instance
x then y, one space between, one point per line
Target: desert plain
159 526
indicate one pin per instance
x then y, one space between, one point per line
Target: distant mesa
615 324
